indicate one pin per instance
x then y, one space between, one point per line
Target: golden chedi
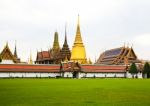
78 53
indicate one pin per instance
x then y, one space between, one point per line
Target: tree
146 69
133 69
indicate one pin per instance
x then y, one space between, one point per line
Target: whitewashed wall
28 75
4 75
69 75
7 62
103 75
139 75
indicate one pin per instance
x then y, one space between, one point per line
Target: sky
105 24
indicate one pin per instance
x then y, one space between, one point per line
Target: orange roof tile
28 68
100 68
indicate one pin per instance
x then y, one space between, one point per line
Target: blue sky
105 24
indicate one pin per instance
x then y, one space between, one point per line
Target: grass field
76 92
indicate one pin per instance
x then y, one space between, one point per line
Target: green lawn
76 92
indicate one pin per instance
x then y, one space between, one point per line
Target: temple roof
6 54
113 52
122 55
29 68
66 67
103 68
71 66
43 55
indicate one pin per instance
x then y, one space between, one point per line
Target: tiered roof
43 55
6 54
122 55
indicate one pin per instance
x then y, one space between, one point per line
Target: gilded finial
78 20
30 60
132 45
90 62
7 43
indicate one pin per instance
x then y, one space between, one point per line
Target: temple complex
61 62
78 53
118 56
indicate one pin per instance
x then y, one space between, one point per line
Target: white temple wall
103 75
7 62
4 75
28 75
69 75
138 75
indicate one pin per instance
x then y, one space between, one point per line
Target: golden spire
30 60
78 38
7 44
56 43
90 62
78 53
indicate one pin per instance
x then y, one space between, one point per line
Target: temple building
50 56
118 56
7 56
78 53
55 55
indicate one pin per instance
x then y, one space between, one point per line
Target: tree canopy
133 69
146 69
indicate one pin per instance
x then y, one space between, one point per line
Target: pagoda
55 51
65 51
78 53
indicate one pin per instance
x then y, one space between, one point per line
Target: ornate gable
131 54
6 54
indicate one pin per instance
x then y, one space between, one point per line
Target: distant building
118 56
7 56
